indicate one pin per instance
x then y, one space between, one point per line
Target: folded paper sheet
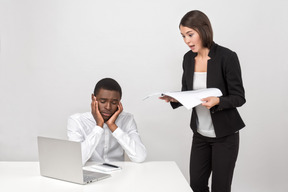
190 99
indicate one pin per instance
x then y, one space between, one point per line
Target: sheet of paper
104 168
190 99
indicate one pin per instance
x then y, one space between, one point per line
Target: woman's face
191 38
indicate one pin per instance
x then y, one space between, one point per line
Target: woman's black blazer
224 73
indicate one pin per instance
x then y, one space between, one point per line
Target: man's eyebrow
108 99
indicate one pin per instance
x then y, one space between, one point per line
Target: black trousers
213 155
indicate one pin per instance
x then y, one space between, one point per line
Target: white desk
155 176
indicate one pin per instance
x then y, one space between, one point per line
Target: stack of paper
190 99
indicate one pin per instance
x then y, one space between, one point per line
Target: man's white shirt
100 144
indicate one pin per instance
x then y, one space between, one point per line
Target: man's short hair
108 84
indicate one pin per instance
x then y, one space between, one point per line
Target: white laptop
61 159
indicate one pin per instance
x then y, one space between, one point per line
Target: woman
216 122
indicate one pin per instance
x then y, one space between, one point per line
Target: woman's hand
210 102
168 99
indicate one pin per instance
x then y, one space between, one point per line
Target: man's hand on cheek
111 122
96 113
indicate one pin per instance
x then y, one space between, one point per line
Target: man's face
108 102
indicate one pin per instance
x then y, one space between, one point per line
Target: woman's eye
190 35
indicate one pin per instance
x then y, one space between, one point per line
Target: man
107 131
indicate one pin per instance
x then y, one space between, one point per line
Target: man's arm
89 142
130 141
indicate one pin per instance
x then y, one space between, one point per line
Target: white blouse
204 122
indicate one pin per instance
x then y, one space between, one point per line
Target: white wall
53 52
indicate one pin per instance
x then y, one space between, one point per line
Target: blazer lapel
190 71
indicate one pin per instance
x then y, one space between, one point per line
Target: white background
53 52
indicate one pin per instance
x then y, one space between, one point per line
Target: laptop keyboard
89 178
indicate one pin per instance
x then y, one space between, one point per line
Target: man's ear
92 95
